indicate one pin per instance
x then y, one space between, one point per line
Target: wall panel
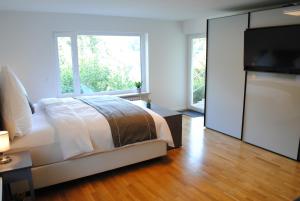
272 112
225 74
27 45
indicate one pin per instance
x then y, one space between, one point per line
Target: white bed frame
55 173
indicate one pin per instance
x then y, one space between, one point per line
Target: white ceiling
155 9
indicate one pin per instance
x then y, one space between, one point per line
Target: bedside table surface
164 112
20 160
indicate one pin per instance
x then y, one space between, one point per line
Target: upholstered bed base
55 173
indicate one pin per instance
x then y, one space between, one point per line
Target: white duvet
81 129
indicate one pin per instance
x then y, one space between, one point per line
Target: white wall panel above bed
225 74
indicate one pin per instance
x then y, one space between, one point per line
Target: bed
68 138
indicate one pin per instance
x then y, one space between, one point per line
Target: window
197 72
65 64
101 64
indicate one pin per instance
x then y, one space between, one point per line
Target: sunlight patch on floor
193 140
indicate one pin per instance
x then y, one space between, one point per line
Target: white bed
50 167
69 139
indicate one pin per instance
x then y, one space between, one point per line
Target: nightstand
17 170
173 118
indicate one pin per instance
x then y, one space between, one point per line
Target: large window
104 64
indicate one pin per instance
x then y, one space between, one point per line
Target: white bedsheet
42 133
41 142
82 129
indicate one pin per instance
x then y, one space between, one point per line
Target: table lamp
4 146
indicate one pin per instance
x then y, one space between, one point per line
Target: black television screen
273 49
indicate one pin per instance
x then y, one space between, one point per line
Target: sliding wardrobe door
272 112
225 74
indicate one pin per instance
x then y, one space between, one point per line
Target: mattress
43 143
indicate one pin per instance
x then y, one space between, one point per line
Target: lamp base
4 159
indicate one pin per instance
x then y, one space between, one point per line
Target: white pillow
15 110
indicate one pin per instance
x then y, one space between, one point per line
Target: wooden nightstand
173 118
17 170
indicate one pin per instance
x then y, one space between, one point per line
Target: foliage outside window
103 63
198 68
65 64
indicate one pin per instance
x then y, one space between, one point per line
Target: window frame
75 66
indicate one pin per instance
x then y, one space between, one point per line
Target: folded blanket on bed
128 123
71 129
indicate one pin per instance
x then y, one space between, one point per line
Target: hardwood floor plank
209 167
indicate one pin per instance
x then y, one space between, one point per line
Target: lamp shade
4 141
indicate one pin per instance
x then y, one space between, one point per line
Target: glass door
197 66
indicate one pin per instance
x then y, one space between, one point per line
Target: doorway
197 69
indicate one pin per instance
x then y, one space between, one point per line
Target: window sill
128 95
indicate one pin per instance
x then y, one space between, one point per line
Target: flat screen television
273 49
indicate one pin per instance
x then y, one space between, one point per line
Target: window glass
65 64
198 70
108 63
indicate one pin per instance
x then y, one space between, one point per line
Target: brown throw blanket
129 123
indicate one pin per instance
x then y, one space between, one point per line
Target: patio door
197 69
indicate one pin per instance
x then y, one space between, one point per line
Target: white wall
272 112
198 25
194 26
26 44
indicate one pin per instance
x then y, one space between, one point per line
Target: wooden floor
209 166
